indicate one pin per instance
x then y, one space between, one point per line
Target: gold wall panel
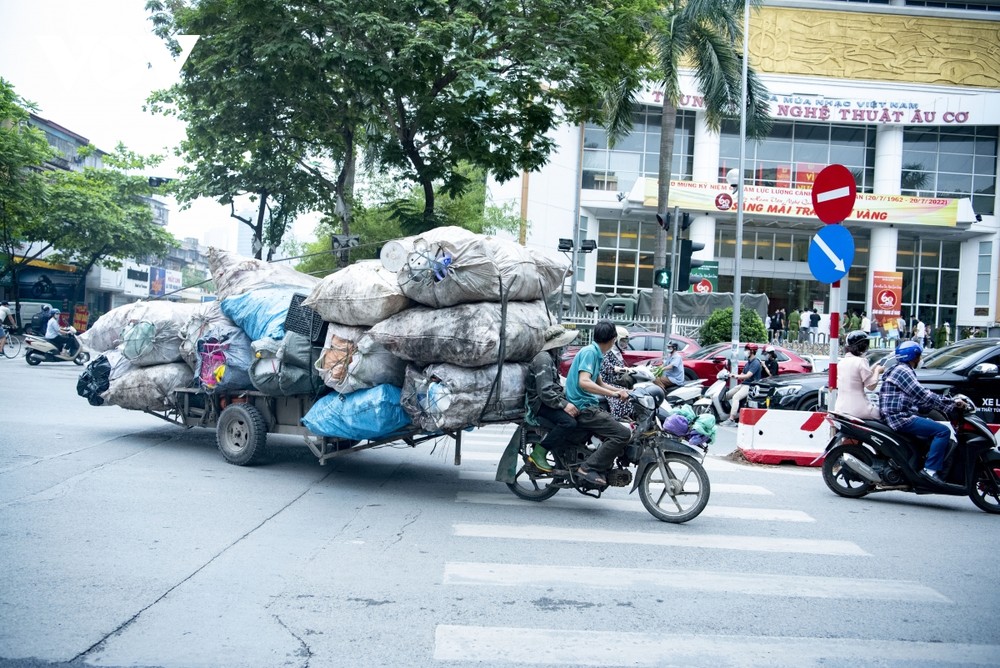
871 46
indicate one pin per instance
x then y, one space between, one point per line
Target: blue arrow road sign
831 253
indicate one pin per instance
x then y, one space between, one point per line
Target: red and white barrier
780 437
786 437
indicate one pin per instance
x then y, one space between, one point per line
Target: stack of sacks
142 343
217 350
256 297
451 337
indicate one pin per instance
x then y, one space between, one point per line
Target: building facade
906 97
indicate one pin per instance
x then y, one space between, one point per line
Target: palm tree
707 37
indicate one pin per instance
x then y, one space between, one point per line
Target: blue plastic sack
261 313
363 415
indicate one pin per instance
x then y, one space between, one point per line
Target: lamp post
738 184
568 247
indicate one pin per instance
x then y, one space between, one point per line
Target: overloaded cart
428 341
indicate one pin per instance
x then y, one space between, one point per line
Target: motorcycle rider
673 369
770 361
40 320
583 388
63 338
545 396
751 374
854 376
902 396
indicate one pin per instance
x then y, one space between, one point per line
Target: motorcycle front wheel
679 498
81 359
984 490
842 480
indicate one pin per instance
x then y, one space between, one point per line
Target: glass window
606 268
782 246
951 252
942 162
800 248
983 278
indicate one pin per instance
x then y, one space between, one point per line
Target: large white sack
449 265
445 396
234 274
106 333
153 333
467 335
360 294
353 361
148 387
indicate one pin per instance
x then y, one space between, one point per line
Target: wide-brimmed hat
558 336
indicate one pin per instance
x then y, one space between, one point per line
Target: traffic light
662 278
685 264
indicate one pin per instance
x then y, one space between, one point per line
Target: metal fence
683 326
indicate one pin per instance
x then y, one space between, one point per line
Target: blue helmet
908 351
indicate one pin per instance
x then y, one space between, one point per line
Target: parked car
707 362
964 367
643 348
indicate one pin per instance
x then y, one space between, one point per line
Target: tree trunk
668 123
258 229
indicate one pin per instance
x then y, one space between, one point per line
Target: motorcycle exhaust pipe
862 469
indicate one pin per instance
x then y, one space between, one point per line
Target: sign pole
834 342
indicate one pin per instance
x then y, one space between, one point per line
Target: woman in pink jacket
854 376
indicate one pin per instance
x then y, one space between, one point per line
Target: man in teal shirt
583 389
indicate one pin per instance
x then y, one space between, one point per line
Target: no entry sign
833 194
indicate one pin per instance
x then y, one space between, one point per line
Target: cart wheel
241 434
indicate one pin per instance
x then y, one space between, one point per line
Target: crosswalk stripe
717 487
555 646
710 541
633 504
759 584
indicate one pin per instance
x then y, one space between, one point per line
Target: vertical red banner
887 292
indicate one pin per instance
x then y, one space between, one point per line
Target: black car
970 367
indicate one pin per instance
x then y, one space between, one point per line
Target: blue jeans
939 436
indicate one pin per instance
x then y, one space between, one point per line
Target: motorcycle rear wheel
984 490
531 489
32 358
840 479
682 497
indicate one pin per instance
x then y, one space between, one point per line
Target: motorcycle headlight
786 390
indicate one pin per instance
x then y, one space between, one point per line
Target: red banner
887 293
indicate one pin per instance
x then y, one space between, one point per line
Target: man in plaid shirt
902 396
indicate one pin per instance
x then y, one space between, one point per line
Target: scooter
714 399
865 456
39 349
691 393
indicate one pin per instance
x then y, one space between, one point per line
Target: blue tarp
261 313
363 415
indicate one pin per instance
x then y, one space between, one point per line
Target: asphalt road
128 541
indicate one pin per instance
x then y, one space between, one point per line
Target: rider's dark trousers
614 434
564 426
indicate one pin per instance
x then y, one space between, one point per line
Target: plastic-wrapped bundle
106 333
224 362
676 424
445 396
261 313
353 361
467 335
360 294
206 320
702 429
234 274
367 414
148 387
285 367
450 265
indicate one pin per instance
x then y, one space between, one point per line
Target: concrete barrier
767 436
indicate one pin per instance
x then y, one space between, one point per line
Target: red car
642 347
709 361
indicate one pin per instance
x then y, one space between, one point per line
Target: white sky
89 66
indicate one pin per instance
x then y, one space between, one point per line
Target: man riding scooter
63 338
902 396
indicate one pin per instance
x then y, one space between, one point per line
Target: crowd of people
809 326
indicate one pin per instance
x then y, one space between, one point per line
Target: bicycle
12 344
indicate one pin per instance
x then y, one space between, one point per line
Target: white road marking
633 504
757 584
653 537
526 646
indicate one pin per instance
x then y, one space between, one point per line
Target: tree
719 325
23 189
281 97
707 36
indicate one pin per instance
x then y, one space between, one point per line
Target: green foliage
719 327
282 96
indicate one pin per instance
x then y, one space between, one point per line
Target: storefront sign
157 281
136 280
887 291
797 203
708 277
174 281
81 317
